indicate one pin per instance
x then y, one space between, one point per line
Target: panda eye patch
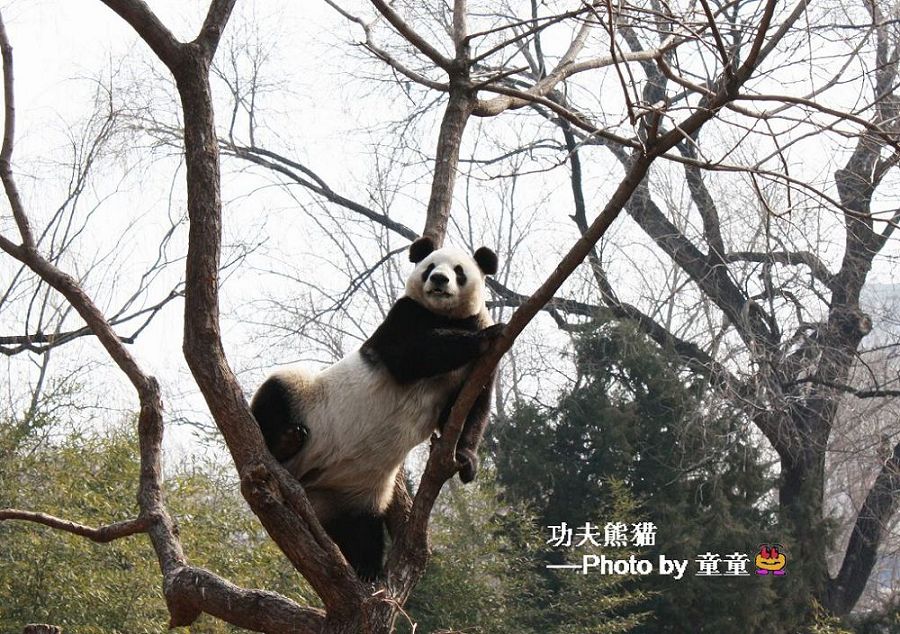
427 272
460 275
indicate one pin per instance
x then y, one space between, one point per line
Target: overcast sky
318 107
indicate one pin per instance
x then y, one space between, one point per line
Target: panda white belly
362 424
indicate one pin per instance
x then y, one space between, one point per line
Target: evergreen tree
637 417
487 574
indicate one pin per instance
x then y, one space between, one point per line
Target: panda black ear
487 260
420 249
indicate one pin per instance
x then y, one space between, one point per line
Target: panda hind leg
284 434
360 536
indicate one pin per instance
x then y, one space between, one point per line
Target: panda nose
439 279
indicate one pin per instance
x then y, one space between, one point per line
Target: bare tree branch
789 258
877 392
100 534
411 36
302 175
147 25
214 24
198 590
9 127
31 343
868 531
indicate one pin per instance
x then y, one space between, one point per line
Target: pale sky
318 109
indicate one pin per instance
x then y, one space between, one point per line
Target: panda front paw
493 331
489 334
468 464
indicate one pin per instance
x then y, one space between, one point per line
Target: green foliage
885 620
824 623
487 574
637 417
49 576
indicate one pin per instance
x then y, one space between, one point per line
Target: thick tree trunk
881 503
304 542
800 505
446 160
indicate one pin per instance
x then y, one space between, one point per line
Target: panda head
449 281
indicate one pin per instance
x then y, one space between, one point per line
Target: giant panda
344 432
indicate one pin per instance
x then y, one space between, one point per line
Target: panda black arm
430 353
414 343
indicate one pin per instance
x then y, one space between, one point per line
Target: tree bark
872 520
446 161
